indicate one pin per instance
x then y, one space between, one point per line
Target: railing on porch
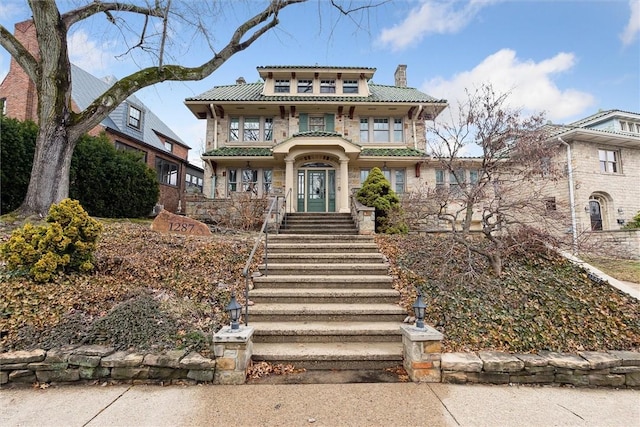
264 230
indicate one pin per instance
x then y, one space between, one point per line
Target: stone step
328 258
324 215
346 296
326 312
328 356
347 269
323 281
326 247
283 332
319 230
320 238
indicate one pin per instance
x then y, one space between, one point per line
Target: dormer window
328 86
282 86
135 117
168 146
305 86
629 126
350 86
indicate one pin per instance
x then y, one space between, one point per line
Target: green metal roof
239 152
392 152
252 92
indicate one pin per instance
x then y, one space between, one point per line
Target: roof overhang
599 137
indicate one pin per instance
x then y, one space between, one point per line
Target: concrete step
323 281
328 258
319 230
283 332
324 247
328 356
320 238
326 312
346 296
347 269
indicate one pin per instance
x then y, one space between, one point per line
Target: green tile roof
316 133
239 152
252 92
392 152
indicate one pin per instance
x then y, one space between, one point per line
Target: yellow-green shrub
66 243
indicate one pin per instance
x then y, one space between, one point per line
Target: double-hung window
381 130
328 86
350 86
249 180
305 86
364 130
316 123
398 134
135 117
282 86
609 161
250 129
396 178
167 172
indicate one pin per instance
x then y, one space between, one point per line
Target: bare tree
50 70
501 193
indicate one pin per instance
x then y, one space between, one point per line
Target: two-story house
131 126
312 133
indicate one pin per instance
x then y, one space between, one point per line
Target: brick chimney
20 92
401 76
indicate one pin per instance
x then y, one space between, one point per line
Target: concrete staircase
325 301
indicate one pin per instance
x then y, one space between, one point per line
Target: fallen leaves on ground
259 370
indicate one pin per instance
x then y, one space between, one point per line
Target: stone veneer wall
615 243
586 369
93 362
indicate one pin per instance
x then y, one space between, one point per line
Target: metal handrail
288 203
245 271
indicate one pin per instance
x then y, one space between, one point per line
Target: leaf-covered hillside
540 302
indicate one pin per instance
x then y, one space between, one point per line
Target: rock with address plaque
166 222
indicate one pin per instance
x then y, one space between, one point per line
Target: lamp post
419 308
234 309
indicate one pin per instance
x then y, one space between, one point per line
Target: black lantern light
419 308
234 309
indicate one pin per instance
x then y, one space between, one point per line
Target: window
327 86
381 130
193 183
316 123
440 183
234 129
167 172
267 179
398 134
608 161
124 147
473 177
254 129
251 129
135 117
305 86
268 129
396 178
249 180
364 130
168 146
282 86
456 180
350 86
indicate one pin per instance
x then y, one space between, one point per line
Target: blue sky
566 58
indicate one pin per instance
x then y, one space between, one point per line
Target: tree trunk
49 182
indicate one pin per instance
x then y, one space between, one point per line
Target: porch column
344 186
288 184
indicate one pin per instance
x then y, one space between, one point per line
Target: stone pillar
344 186
422 353
289 179
233 350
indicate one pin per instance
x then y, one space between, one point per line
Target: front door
595 212
316 189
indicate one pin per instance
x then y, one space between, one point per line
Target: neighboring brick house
313 132
131 126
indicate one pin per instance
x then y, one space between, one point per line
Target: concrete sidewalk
373 404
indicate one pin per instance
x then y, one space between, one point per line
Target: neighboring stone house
312 133
131 126
605 174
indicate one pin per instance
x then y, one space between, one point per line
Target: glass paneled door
316 189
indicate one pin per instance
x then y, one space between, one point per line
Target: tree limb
20 54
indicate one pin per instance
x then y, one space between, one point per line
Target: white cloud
632 29
431 18
88 54
530 84
8 10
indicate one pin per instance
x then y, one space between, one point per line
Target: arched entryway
599 204
316 187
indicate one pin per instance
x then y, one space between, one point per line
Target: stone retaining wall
586 369
92 362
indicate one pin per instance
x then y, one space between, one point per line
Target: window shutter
304 122
329 123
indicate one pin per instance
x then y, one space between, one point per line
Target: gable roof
252 92
86 88
598 128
